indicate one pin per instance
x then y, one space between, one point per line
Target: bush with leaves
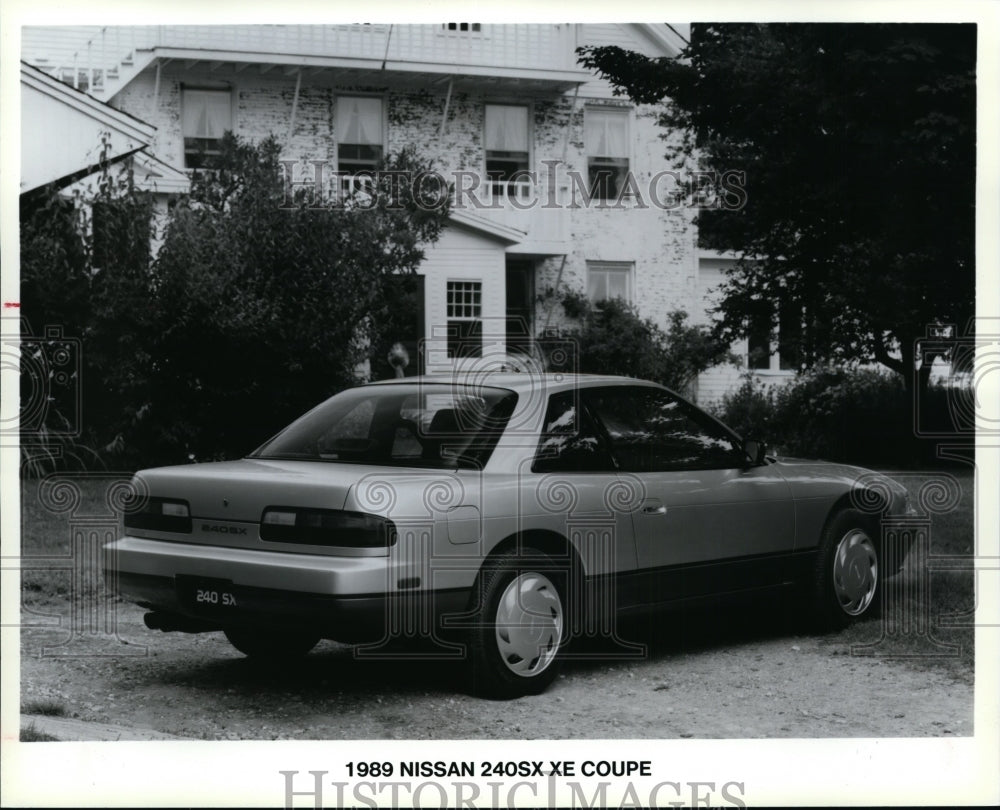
268 304
259 304
91 280
845 414
750 410
851 414
611 338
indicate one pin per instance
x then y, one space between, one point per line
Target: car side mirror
756 452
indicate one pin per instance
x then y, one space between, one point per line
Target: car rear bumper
308 573
346 599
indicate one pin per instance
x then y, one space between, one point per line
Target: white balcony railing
521 45
94 54
523 205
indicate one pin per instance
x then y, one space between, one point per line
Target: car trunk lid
239 491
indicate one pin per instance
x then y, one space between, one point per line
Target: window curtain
359 120
506 128
207 113
606 133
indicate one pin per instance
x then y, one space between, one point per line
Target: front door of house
520 305
405 326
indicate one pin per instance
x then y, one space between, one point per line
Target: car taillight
326 527
160 514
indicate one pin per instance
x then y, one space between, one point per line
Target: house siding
460 255
659 244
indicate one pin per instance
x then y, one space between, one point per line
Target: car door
709 521
574 488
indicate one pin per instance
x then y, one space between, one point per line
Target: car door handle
654 510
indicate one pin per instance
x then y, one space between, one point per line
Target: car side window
570 442
652 430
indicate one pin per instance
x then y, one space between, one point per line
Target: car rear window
404 424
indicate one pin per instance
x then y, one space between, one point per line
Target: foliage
260 303
837 413
750 410
269 303
84 273
611 338
857 144
843 414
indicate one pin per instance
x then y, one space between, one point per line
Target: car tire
848 577
519 625
270 645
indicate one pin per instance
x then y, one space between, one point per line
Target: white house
505 108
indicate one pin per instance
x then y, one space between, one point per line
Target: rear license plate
207 595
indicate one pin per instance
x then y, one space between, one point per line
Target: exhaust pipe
174 623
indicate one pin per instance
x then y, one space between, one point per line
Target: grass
49 708
31 734
930 621
64 520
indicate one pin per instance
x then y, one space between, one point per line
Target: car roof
516 381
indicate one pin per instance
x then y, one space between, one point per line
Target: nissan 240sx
500 516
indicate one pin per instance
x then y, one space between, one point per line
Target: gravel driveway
742 674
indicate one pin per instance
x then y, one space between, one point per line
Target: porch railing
89 57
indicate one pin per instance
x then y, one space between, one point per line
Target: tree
84 273
857 148
267 305
259 304
611 338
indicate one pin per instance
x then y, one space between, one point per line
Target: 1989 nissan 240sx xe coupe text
500 516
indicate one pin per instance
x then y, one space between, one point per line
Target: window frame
360 164
624 268
548 463
598 187
778 362
473 29
739 458
458 334
520 174
201 152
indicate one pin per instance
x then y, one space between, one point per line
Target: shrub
611 338
750 410
846 414
92 286
849 414
258 305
